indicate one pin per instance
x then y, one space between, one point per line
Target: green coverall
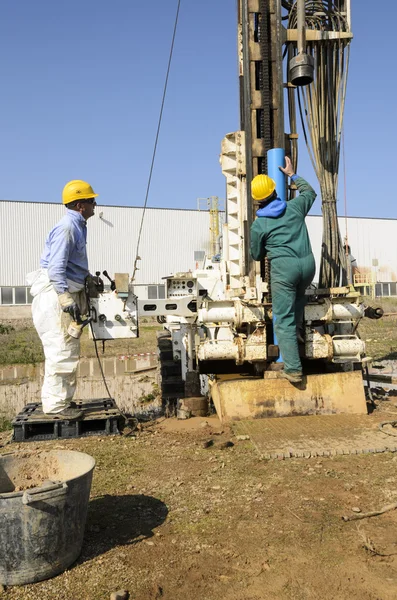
285 241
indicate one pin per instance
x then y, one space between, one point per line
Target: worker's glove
75 313
65 300
68 304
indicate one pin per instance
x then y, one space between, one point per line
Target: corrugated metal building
171 239
372 242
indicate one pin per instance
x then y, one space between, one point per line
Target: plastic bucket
43 508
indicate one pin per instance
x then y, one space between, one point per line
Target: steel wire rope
156 138
129 419
321 105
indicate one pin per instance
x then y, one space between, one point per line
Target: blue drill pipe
276 159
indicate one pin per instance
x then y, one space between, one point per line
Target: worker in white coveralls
58 290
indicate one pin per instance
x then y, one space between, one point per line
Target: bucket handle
47 493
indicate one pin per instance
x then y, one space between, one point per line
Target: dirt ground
171 519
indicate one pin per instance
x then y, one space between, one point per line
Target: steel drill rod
301 26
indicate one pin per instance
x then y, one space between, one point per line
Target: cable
392 423
127 420
344 189
370 396
321 108
156 140
99 361
349 268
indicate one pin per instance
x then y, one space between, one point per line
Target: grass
20 347
5 328
5 424
23 346
380 335
147 342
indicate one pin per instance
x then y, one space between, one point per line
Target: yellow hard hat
77 190
262 186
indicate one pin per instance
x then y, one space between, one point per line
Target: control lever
98 281
94 285
112 282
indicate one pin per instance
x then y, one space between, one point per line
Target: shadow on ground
119 521
390 356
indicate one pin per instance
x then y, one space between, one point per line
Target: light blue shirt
65 252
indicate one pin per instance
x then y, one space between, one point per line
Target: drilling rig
218 338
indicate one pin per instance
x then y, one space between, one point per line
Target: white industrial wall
369 239
169 239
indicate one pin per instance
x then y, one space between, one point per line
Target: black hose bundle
321 107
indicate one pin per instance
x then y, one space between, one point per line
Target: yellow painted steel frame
237 398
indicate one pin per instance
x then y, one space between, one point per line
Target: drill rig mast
231 331
219 331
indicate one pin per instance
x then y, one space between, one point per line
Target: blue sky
81 91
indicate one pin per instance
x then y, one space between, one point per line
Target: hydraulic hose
321 107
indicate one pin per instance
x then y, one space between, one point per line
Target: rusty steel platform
242 397
313 436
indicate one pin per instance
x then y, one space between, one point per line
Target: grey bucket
42 529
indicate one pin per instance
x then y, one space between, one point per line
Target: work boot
69 413
295 377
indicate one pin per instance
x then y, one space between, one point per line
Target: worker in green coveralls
280 233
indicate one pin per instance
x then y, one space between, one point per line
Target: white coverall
64 268
61 350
